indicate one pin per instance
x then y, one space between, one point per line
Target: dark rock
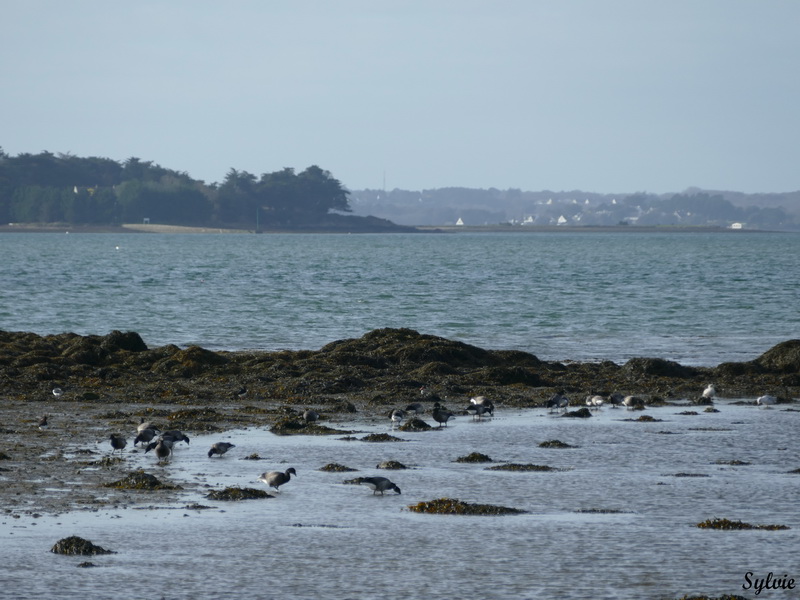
783 358
657 367
77 546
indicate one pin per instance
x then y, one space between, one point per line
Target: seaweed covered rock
728 525
521 467
452 506
336 468
783 358
415 424
233 494
380 437
658 367
581 413
77 546
554 444
474 457
391 465
140 480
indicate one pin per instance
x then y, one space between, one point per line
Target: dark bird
441 415
118 442
220 448
310 416
276 479
478 410
378 484
43 422
175 435
241 392
416 408
163 449
145 436
615 399
429 395
558 401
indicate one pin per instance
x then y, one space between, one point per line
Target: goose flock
163 443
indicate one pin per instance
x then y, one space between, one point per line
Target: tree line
49 188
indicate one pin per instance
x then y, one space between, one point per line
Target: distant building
737 225
460 221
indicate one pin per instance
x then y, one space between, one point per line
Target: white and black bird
310 416
710 392
275 479
397 416
557 402
220 448
633 403
58 392
43 424
378 484
145 425
478 410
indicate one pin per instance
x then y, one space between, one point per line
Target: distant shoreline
127 228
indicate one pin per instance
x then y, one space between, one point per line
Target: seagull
118 442
710 392
58 392
310 416
145 436
220 448
441 415
766 400
276 479
378 484
397 416
594 401
558 401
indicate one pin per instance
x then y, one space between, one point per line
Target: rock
783 358
77 546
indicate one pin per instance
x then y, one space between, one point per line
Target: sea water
696 298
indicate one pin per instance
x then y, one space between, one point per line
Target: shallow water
320 538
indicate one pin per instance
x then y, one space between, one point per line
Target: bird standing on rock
220 448
276 479
710 392
378 484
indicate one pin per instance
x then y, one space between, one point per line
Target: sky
606 96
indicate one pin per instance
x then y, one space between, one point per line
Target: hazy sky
597 95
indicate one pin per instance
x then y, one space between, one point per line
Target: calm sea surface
699 299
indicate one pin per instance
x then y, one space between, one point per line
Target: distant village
471 207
